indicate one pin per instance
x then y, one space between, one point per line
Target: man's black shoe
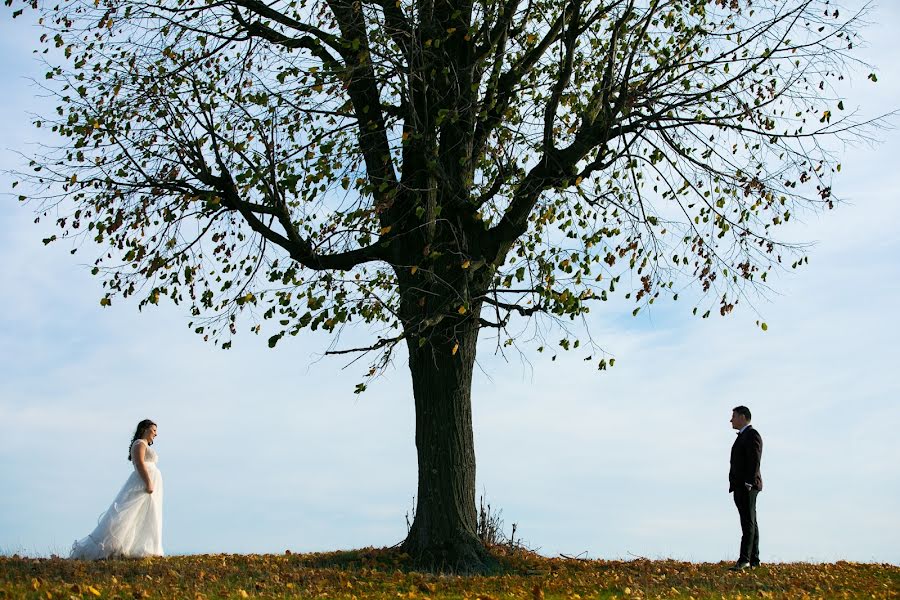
739 566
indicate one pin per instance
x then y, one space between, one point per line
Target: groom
745 482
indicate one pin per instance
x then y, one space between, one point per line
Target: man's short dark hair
742 410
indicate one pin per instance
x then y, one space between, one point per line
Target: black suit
746 455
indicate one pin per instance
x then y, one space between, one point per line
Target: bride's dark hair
142 428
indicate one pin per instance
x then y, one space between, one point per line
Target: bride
132 526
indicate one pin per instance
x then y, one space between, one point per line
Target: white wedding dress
132 526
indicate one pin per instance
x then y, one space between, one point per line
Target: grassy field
373 573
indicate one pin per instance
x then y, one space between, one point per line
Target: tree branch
260 9
257 29
362 86
381 343
565 74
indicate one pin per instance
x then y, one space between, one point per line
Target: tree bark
443 534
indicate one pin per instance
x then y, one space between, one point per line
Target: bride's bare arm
137 457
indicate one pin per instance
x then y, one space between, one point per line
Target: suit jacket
746 454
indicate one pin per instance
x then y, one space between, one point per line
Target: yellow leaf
413 269
466 264
578 181
455 349
385 230
243 594
93 591
461 310
73 178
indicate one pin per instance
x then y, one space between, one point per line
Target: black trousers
745 500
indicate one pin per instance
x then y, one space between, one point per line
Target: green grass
371 573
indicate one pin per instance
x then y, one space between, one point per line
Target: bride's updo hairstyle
142 428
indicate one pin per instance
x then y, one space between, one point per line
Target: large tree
436 167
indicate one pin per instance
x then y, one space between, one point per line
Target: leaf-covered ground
386 574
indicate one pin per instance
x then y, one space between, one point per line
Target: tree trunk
443 534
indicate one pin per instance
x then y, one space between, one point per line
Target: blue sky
265 450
